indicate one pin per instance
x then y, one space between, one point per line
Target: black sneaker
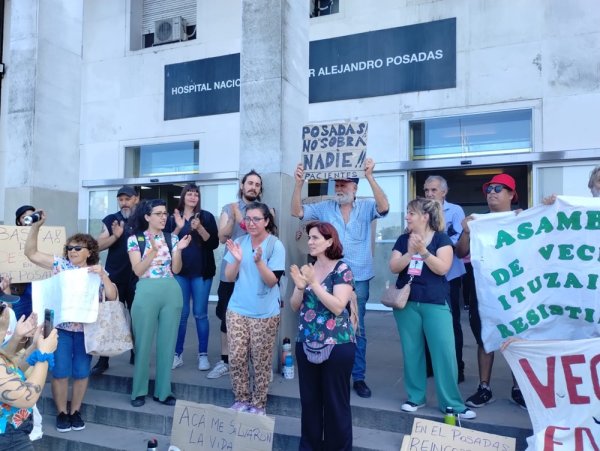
76 421
63 422
100 367
517 397
481 398
361 389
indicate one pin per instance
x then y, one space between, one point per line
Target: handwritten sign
334 151
204 426
73 295
13 262
429 435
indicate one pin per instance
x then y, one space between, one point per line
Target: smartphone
48 321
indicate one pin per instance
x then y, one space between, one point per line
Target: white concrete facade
539 54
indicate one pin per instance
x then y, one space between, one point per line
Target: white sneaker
177 361
467 414
220 369
203 363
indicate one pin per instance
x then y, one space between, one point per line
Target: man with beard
352 219
232 226
114 238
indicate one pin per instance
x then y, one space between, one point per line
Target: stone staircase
112 424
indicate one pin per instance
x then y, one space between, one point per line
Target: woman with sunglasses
71 359
255 262
155 256
20 393
422 257
197 271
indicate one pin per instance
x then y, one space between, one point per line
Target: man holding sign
352 219
500 194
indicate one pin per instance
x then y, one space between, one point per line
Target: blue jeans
360 358
198 289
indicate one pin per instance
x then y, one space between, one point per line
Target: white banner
537 273
560 383
72 294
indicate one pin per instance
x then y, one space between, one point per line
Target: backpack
141 239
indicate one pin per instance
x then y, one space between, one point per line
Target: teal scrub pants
156 306
435 321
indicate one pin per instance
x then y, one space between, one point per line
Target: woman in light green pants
157 304
423 256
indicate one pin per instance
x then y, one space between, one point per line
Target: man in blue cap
352 219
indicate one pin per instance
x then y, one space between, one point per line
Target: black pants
455 309
325 399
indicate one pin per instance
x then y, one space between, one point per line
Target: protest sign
537 272
430 435
13 262
73 295
204 426
334 151
560 384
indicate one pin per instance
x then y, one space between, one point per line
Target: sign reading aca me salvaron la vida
334 150
537 272
419 57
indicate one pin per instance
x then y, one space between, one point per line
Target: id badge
415 267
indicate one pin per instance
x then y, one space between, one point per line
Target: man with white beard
114 238
352 219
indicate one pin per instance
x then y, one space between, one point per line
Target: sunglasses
496 189
75 248
254 220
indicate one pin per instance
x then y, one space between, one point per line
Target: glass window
324 7
482 134
162 159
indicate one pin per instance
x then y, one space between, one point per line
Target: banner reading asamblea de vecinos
419 57
537 278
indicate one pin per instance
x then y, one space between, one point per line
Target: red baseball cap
503 179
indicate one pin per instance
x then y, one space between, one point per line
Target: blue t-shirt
251 296
429 287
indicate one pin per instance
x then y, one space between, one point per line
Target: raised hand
235 249
299 173
308 271
369 166
298 277
179 221
184 242
48 345
257 254
117 228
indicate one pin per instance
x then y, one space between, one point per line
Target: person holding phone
19 393
71 359
197 271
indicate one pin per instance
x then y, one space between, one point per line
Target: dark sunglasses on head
75 248
496 188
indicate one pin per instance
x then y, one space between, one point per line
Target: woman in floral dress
326 342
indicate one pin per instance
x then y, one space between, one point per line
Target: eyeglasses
254 220
160 214
75 248
496 188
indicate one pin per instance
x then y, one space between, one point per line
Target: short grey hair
594 175
439 178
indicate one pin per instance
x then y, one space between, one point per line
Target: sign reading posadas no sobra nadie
334 150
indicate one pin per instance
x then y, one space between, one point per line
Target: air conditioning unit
169 30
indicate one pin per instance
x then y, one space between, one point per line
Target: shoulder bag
397 298
110 335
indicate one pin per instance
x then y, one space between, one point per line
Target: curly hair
88 241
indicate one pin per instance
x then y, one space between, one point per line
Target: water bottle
286 350
33 217
152 444
449 417
288 369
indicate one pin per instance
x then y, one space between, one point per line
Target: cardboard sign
204 426
13 262
430 435
334 151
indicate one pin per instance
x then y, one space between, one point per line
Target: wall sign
418 57
202 87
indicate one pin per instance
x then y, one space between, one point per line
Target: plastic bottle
449 417
152 445
286 350
288 369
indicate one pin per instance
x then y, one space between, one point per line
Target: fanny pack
316 352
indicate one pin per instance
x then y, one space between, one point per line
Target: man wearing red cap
500 193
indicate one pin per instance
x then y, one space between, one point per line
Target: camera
33 217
